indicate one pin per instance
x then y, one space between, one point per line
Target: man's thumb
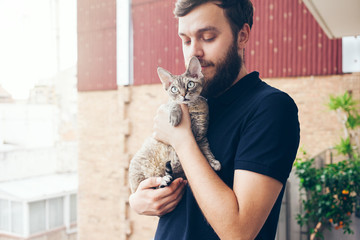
151 182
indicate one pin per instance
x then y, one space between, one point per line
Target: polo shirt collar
239 89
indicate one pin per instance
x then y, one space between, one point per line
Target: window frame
68 225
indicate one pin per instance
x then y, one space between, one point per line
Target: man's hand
165 132
148 200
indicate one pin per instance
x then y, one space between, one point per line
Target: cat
156 159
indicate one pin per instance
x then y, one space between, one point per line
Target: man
253 132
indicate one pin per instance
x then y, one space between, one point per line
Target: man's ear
243 37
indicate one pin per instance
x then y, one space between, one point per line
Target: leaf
344 147
343 102
353 121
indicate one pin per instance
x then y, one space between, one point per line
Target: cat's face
183 88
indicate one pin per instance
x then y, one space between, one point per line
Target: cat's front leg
205 149
168 178
175 114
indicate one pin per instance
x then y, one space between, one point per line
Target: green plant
348 113
329 193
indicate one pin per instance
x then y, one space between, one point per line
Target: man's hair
238 12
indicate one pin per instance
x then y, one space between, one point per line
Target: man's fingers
154 182
173 188
153 201
169 203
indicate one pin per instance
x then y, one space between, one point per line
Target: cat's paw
175 118
166 181
215 164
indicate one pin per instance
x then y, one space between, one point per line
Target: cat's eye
191 84
174 89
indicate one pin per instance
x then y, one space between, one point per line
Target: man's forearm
217 201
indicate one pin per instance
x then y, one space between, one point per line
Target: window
56 212
37 216
73 208
43 215
4 215
17 217
11 216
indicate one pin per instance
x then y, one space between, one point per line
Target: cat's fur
156 159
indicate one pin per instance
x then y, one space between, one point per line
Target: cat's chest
199 106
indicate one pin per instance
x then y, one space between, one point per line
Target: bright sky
28 46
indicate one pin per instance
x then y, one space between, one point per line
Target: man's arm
237 213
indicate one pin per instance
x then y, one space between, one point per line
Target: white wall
29 125
24 163
33 147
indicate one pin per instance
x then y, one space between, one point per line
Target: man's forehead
200 30
207 16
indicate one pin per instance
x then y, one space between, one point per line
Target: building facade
286 46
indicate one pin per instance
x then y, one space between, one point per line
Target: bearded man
253 132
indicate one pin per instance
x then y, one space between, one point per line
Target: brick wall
320 128
100 206
113 125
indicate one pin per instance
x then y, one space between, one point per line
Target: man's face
206 34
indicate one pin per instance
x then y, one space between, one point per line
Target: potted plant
330 194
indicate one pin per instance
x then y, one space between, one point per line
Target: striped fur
156 159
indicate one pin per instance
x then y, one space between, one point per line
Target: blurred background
79 89
38 119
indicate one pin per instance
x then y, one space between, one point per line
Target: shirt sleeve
270 139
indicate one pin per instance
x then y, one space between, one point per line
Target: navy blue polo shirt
253 127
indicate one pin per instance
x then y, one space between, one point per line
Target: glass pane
73 208
4 215
37 217
17 217
56 212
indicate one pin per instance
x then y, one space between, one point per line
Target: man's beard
226 73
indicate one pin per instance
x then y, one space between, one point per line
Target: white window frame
69 226
124 43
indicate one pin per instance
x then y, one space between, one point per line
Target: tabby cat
156 159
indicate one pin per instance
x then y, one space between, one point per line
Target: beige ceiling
338 18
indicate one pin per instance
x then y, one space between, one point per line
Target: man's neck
243 72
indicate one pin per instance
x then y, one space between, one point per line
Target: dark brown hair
238 12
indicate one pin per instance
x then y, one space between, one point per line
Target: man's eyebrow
202 30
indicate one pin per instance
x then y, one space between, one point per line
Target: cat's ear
194 68
165 77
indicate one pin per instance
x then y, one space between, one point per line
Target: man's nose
196 50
